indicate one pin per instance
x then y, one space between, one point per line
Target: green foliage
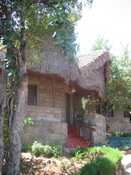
66 39
46 150
57 20
103 160
26 148
17 18
79 151
39 149
28 120
121 134
100 166
34 20
56 150
101 44
118 91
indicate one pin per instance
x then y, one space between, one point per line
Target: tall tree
14 23
118 91
101 44
1 119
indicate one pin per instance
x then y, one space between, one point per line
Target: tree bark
16 93
2 95
15 130
1 138
16 116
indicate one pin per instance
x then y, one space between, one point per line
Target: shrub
103 160
82 153
100 166
79 152
56 150
46 150
26 148
28 120
122 134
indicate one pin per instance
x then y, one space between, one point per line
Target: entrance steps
74 140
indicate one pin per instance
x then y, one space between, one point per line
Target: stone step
74 142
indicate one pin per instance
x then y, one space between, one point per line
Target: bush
99 166
28 121
121 134
56 150
78 153
46 150
103 160
26 148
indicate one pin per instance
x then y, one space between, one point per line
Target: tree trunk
15 130
1 119
16 91
16 116
1 138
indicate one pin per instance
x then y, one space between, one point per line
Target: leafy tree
101 44
119 84
19 19
52 21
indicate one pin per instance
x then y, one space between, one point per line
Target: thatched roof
87 72
93 71
94 60
54 61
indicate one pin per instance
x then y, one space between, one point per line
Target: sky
110 19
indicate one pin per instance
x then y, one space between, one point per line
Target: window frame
32 98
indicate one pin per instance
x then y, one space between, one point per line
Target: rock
126 164
26 156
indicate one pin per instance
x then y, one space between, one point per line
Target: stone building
54 102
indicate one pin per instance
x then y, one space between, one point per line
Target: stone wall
49 113
97 122
118 123
45 113
47 132
51 92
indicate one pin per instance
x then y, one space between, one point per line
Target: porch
50 127
85 126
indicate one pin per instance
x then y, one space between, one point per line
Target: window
32 94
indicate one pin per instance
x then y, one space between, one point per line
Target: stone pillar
97 122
